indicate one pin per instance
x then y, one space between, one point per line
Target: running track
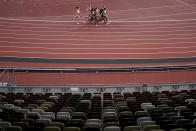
139 34
40 33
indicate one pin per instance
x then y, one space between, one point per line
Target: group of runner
94 14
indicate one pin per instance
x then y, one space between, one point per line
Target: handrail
84 70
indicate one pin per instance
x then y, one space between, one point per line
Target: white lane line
122 44
182 2
104 32
155 16
106 58
29 25
151 21
164 39
94 36
89 25
64 3
149 8
46 17
98 33
73 21
54 48
87 28
101 53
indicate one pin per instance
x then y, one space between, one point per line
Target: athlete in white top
77 14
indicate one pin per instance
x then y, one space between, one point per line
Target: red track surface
137 29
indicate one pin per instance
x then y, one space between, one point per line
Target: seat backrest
145 104
194 121
57 124
40 111
112 128
110 124
51 117
71 129
45 121
132 128
93 121
110 114
13 128
25 111
190 100
139 120
52 128
65 114
145 123
149 107
151 127
178 129
141 113
49 113
92 125
193 129
4 124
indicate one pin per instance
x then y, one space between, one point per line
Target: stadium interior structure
135 73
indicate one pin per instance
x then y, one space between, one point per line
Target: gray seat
139 120
45 121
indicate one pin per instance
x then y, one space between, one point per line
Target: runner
89 10
103 13
77 14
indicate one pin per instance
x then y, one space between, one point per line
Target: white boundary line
127 32
94 36
104 58
158 16
64 3
102 53
121 21
89 25
132 48
182 2
164 39
120 28
156 7
71 44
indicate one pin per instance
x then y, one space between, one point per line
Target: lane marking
90 25
101 53
64 3
158 16
93 32
179 38
104 36
129 44
112 58
156 7
182 2
73 21
55 48
87 28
